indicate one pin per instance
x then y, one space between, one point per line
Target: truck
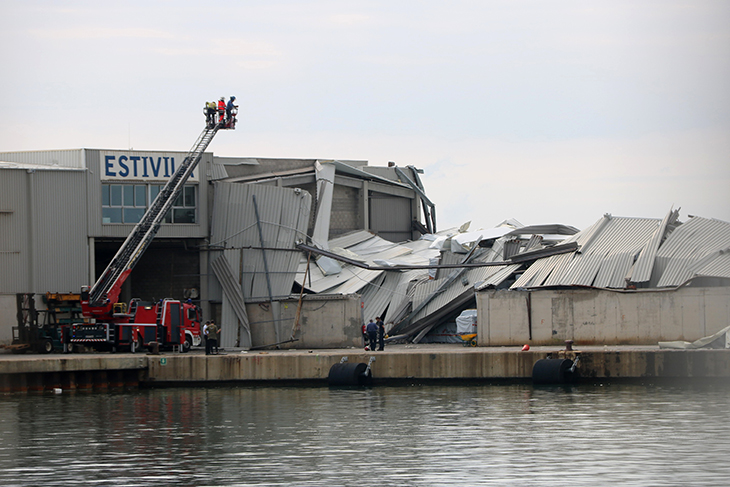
167 323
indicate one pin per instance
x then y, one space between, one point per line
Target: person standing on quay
213 332
372 330
381 333
205 337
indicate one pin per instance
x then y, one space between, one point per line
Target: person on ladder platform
230 107
210 111
221 109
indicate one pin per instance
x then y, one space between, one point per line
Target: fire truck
170 323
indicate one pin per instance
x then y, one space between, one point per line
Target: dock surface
397 362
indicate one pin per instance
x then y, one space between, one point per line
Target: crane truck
171 323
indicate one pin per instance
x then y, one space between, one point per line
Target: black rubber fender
553 371
349 374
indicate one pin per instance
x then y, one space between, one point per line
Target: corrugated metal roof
400 302
687 244
462 284
501 274
607 251
645 263
717 264
71 158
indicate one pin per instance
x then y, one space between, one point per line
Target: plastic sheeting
721 339
466 322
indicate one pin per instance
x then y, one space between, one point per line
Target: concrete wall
600 317
325 322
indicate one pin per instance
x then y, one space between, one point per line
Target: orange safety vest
221 105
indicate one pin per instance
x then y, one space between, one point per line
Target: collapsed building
302 252
620 281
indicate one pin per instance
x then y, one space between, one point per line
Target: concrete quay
97 371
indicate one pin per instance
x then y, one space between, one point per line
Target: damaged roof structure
264 208
410 273
618 253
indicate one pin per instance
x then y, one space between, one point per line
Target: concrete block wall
325 322
345 216
600 317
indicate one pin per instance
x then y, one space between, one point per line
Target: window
127 203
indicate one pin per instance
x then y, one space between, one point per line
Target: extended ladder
109 284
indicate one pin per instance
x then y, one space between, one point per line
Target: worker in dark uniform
372 330
229 108
381 333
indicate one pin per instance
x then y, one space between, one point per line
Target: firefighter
210 110
229 108
221 109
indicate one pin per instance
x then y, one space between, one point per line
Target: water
420 435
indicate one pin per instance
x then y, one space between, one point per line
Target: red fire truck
170 323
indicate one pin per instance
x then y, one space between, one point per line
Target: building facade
64 214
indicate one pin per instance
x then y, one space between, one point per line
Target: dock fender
349 374
554 371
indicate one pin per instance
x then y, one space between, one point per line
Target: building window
127 203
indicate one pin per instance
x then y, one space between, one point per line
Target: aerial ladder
98 301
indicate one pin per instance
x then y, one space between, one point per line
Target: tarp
721 339
466 322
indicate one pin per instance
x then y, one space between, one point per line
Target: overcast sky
546 112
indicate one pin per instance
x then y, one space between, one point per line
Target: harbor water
406 435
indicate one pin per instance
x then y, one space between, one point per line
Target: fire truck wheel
188 344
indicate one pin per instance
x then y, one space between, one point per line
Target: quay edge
107 371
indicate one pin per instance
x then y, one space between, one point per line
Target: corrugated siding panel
60 242
401 299
64 158
284 215
451 292
350 239
44 231
607 253
376 296
14 231
718 266
502 273
645 263
687 244
390 217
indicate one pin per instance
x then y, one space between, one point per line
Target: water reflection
468 434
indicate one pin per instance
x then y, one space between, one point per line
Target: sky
545 112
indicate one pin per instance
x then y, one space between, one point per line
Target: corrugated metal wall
14 231
45 247
283 214
60 240
390 217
